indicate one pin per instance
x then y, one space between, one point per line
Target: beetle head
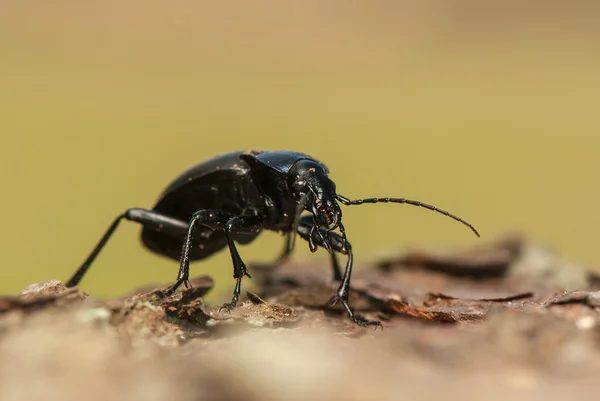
309 180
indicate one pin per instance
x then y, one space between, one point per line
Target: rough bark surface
506 321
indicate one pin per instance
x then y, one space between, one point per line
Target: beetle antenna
349 202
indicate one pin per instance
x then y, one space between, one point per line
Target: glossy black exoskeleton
234 196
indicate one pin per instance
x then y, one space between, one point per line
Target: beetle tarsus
358 320
366 323
229 306
335 266
171 290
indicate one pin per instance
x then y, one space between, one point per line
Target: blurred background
486 109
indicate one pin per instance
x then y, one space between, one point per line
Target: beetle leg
322 234
306 230
287 249
344 289
311 242
239 224
231 224
290 239
213 219
339 244
148 218
337 272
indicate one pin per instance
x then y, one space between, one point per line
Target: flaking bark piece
591 299
41 295
440 314
258 313
51 287
418 287
489 261
442 308
187 305
143 318
166 320
506 298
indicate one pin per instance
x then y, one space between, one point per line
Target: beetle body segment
233 182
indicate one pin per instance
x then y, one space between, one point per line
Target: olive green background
487 109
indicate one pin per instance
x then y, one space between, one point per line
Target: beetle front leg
344 289
338 244
287 249
307 229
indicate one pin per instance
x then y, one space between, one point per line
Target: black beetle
234 196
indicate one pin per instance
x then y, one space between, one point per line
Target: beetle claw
229 306
358 320
171 290
311 245
366 323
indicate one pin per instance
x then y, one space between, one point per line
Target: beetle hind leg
150 219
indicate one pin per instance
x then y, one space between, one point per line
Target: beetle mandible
231 198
